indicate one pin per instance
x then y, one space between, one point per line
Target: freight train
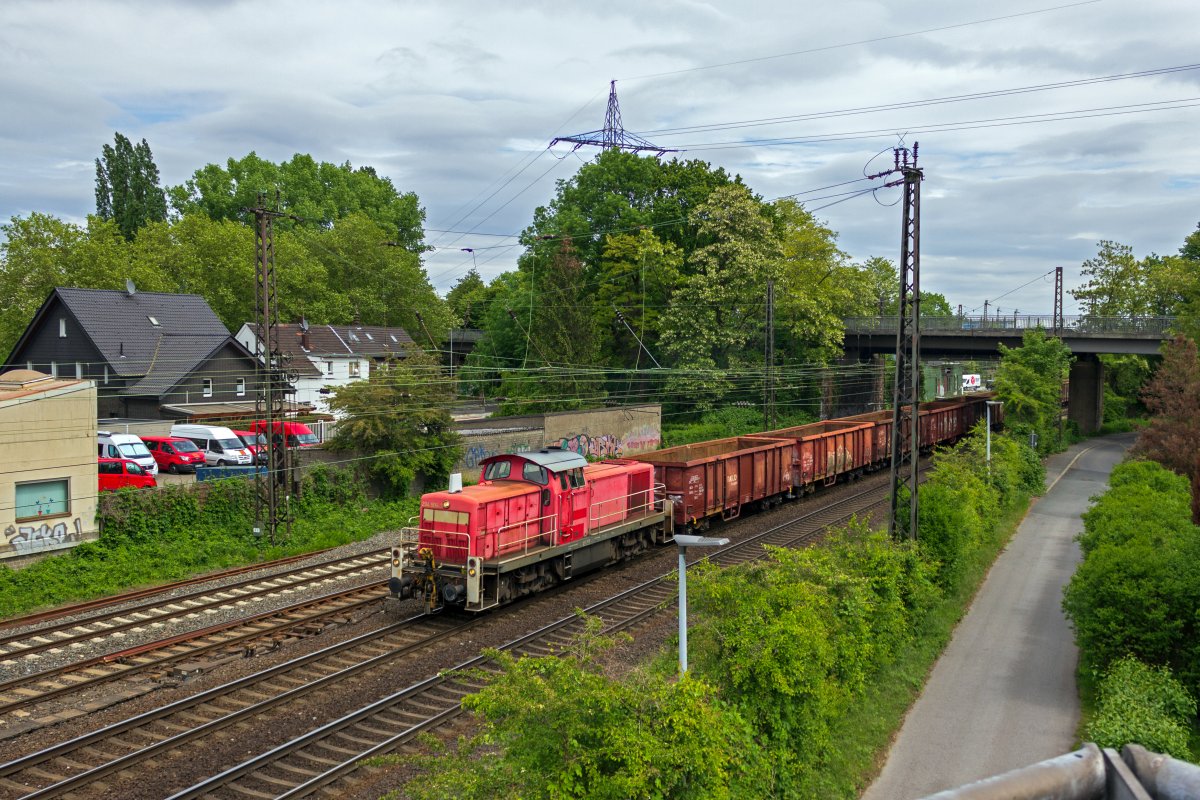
535 520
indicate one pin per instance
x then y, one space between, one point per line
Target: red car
117 473
174 453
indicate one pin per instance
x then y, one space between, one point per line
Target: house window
53 369
106 373
154 321
62 327
328 367
206 387
78 370
43 499
354 369
241 387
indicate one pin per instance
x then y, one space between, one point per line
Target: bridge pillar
1085 402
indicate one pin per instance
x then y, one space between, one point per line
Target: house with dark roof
152 355
327 356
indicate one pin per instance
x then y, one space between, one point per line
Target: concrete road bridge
966 336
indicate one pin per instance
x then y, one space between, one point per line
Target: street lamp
684 542
989 404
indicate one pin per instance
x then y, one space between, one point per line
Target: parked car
125 445
117 473
298 434
221 447
174 453
256 443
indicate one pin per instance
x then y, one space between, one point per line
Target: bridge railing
1078 324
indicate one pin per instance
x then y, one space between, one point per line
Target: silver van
221 446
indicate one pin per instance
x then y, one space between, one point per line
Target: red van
256 443
117 473
298 434
174 453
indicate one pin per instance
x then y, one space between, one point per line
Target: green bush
558 727
1144 705
1137 590
791 640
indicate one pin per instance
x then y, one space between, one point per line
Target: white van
221 446
126 445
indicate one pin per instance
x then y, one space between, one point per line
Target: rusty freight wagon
719 478
946 421
823 451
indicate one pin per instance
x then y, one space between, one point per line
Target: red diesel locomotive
538 519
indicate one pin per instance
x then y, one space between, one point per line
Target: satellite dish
304 324
130 289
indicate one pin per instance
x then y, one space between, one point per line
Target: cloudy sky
457 101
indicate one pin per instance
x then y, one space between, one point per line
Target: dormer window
370 338
394 339
153 321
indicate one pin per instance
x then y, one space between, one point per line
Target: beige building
48 483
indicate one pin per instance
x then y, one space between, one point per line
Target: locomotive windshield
496 471
536 474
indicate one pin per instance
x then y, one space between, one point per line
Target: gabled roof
370 341
175 358
122 326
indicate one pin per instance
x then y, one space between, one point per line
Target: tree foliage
558 727
127 190
1029 382
399 417
318 192
1172 396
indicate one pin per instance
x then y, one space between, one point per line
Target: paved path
1003 694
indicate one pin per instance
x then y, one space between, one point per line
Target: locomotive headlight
445 504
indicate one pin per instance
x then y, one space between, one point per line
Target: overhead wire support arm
641 344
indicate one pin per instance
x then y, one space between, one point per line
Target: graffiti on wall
477 452
605 445
29 539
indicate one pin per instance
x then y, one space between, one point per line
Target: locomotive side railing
410 536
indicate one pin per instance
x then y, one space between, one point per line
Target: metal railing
1073 325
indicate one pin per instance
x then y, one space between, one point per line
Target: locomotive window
533 472
562 480
497 470
577 477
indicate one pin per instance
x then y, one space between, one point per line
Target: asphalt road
1003 694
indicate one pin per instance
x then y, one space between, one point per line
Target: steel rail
168 608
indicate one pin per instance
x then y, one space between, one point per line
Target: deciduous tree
1172 438
399 420
127 189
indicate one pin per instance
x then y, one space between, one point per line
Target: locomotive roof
553 460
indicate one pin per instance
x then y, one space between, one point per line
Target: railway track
19 645
322 758
194 650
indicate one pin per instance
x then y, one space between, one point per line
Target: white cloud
449 99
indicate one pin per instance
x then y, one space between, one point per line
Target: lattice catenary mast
906 390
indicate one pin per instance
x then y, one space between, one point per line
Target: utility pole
1059 324
272 508
906 390
769 371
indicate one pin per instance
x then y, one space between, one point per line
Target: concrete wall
606 432
48 436
599 433
1085 403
